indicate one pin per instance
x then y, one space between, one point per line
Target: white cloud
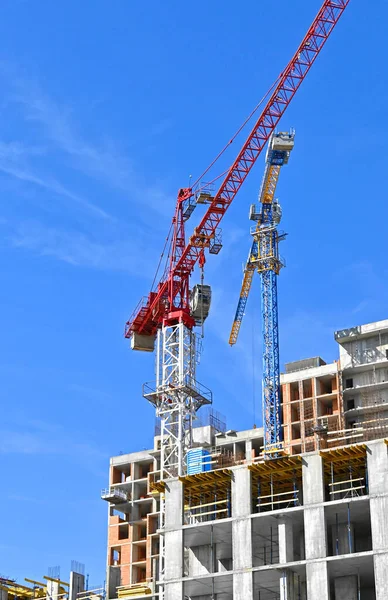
64 146
79 249
103 161
39 438
9 167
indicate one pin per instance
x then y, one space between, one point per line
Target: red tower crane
171 311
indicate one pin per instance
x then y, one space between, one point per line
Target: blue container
198 461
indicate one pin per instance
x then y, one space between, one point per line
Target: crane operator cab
200 299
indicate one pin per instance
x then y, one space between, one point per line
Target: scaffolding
346 473
375 423
207 496
277 483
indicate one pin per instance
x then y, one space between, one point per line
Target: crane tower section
264 258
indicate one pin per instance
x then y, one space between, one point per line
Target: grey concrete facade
310 551
364 366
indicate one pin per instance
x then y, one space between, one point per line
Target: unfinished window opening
139 552
155 546
308 410
152 523
277 484
139 532
295 431
325 407
117 476
145 508
348 528
295 412
349 383
265 542
138 574
207 496
257 446
296 449
294 391
308 428
307 388
325 386
153 482
143 470
115 557
239 452
350 404
123 532
345 472
309 445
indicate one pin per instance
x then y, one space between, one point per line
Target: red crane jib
149 316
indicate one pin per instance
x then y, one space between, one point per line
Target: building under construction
310 523
297 510
52 587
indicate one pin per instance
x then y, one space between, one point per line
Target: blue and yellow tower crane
265 259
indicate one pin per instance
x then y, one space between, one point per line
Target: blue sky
107 108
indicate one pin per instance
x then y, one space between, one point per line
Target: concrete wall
315 527
173 540
378 491
363 351
77 584
242 535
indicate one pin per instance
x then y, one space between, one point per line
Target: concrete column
241 493
378 490
346 588
315 533
317 581
77 584
173 540
286 540
248 450
52 590
286 554
242 534
113 580
312 477
314 516
3 595
288 585
315 527
377 459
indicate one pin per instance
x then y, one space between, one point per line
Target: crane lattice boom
151 314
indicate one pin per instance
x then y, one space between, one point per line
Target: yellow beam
18 590
56 580
36 583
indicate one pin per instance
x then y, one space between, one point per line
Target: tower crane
171 311
264 258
